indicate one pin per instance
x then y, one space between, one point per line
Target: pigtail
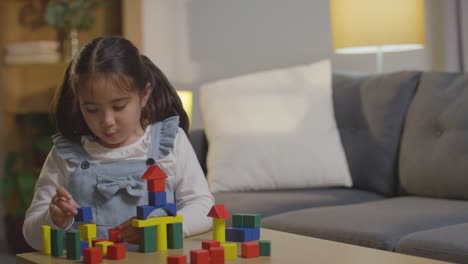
164 101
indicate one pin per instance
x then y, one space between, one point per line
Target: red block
207 244
114 235
199 256
116 251
250 249
177 259
92 255
217 255
156 185
94 241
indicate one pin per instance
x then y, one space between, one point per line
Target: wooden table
286 249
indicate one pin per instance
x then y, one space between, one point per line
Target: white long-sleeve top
193 198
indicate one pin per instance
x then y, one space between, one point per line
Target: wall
195 42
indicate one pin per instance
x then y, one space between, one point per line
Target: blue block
84 244
170 209
157 199
85 214
251 234
143 211
235 234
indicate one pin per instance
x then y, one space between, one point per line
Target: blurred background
193 42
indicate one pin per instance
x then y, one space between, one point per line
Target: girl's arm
193 198
55 172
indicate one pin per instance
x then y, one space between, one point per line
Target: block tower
219 214
158 233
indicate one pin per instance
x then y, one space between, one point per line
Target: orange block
250 249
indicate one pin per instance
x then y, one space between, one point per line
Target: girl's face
112 113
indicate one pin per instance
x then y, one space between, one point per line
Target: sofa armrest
200 146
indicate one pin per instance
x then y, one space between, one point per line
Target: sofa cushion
433 158
370 113
446 243
378 224
269 203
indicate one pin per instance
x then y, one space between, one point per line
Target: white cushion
273 130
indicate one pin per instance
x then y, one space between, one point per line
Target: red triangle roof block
218 211
153 173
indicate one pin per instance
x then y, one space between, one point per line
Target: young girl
116 113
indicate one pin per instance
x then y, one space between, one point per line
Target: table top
285 248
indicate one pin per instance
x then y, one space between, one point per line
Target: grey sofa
405 136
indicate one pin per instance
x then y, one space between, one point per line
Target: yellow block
103 245
230 250
87 231
46 240
156 221
219 229
161 237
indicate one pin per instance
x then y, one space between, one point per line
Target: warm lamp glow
187 102
360 26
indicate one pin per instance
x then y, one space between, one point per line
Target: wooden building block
216 255
219 229
199 256
156 185
170 209
147 239
46 240
265 247
92 255
161 237
116 251
157 199
250 249
56 245
73 245
177 259
230 250
103 246
155 221
96 240
252 220
207 244
85 214
87 231
175 236
238 220
143 211
114 235
83 245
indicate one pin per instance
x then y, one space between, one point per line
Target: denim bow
110 185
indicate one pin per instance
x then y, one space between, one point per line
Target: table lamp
187 102
377 26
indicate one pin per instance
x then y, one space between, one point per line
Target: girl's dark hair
119 60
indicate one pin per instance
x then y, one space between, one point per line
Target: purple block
85 214
235 234
143 211
170 209
157 199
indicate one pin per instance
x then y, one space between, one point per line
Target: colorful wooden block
87 231
235 234
175 236
252 220
46 240
251 234
157 199
56 245
265 247
170 209
199 256
147 239
83 245
161 237
219 229
85 214
158 185
103 246
153 172
92 255
73 245
143 211
177 259
116 251
113 234
216 255
207 244
238 220
218 211
154 221
96 240
250 249
230 250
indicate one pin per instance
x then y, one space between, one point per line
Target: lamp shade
187 102
364 26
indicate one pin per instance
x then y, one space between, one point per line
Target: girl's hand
62 208
129 233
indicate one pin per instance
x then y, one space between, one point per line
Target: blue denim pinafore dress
114 189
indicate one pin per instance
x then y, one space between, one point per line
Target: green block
73 245
56 242
265 247
252 220
148 239
238 220
175 236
